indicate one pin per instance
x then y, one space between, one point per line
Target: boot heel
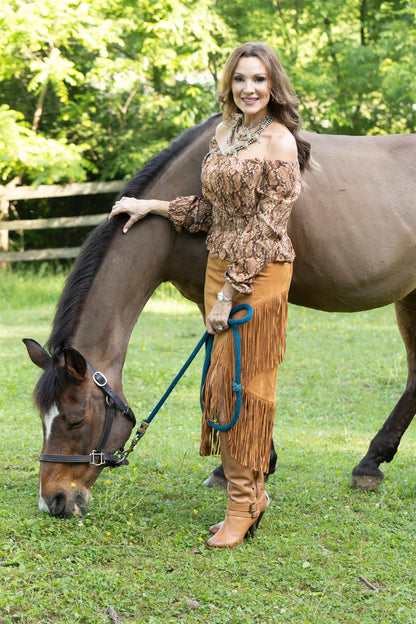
254 526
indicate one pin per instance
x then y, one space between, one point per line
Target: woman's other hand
217 319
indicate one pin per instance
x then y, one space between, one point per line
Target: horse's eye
74 424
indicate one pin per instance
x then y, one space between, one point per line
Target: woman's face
250 87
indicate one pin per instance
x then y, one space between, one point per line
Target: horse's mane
137 184
88 263
95 246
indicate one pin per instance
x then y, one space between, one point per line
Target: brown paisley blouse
244 210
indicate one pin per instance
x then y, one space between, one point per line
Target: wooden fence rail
28 192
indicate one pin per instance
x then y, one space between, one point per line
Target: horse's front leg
217 477
367 474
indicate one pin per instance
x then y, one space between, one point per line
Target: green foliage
49 160
141 547
93 89
117 79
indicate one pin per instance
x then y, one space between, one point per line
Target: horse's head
80 414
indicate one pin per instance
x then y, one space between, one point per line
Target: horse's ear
75 364
37 354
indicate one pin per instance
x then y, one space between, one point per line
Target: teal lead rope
234 324
208 340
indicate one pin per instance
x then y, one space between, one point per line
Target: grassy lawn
141 547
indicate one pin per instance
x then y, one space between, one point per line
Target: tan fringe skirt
263 345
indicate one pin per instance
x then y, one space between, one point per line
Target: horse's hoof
365 482
215 480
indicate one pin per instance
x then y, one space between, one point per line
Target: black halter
97 457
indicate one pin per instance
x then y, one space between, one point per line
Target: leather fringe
263 346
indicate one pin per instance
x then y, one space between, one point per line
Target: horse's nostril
81 504
58 504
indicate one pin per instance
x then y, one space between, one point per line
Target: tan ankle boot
246 502
262 503
240 521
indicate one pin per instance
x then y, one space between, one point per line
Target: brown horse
354 231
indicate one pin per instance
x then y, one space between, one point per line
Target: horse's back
182 175
354 225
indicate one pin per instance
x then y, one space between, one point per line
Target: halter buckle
99 379
97 458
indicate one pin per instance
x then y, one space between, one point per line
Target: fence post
4 214
11 193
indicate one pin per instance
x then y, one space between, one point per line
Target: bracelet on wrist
222 297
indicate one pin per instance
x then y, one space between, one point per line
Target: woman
250 180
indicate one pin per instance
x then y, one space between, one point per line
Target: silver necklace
241 137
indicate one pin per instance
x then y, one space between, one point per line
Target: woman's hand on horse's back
138 209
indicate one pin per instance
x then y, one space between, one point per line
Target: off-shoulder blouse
244 209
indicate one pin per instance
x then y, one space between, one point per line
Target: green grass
141 547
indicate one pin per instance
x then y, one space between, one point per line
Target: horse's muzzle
61 505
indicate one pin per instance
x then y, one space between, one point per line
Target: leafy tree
92 89
112 80
351 62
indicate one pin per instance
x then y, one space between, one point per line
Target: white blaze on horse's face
41 502
48 421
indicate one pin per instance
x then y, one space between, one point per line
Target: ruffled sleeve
190 213
264 238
